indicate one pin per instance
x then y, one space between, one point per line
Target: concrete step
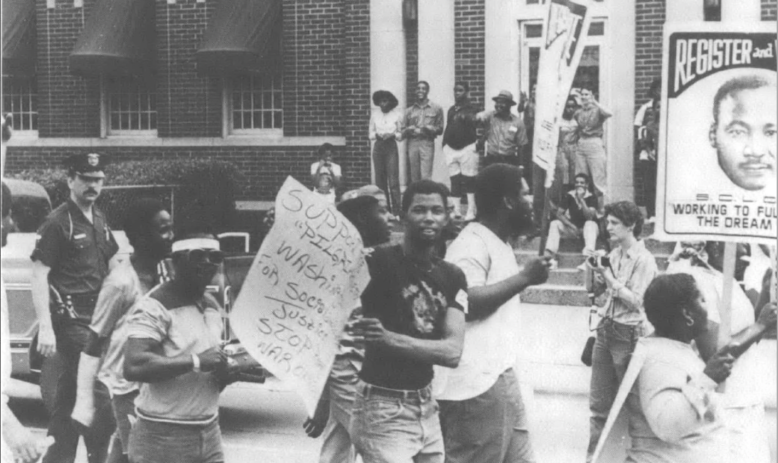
566 277
556 295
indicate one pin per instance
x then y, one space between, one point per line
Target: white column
621 43
501 66
684 10
436 64
387 57
741 11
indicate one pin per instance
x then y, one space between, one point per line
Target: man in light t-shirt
481 411
174 350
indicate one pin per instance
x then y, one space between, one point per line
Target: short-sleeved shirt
76 250
460 126
409 301
189 329
574 211
504 136
491 344
121 290
427 115
590 120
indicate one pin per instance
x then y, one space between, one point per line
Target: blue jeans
396 426
610 358
154 442
489 428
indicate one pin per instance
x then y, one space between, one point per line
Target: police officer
72 255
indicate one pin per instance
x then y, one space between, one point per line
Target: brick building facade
335 53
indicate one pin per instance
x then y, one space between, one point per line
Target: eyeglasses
200 256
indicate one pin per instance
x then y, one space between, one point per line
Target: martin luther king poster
717 146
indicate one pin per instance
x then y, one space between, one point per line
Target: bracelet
195 363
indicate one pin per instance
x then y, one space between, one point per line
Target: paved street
264 423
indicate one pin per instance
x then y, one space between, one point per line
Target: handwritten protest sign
300 290
717 165
563 30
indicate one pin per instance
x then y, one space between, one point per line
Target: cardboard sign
566 24
717 147
300 290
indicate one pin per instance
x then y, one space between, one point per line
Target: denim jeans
489 428
71 340
394 426
610 358
155 442
342 387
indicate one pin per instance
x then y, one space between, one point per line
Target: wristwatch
195 363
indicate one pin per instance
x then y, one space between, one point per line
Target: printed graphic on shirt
426 306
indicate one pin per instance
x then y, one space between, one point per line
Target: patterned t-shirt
410 301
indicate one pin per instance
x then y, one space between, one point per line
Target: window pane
532 31
20 99
131 104
597 28
256 102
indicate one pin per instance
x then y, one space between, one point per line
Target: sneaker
651 220
553 264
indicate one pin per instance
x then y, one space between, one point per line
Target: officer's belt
74 306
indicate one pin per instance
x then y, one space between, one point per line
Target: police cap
87 165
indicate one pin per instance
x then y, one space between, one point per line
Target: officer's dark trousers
71 340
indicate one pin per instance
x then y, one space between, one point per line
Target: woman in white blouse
385 131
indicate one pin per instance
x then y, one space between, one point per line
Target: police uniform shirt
76 250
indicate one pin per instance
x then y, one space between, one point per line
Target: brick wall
188 105
649 21
326 90
314 51
68 106
469 46
356 91
769 8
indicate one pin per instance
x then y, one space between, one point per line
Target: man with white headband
174 350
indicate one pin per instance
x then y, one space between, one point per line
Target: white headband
195 243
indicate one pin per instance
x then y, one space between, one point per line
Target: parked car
30 207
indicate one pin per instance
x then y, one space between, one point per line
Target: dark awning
118 39
242 36
19 37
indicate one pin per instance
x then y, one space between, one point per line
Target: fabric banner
717 142
566 24
303 284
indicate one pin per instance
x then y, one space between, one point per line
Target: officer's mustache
91 190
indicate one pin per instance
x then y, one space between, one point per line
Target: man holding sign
414 318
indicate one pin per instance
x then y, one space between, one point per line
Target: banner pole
725 303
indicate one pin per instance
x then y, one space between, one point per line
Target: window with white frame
20 98
254 103
130 106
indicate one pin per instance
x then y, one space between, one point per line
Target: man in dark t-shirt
414 317
577 215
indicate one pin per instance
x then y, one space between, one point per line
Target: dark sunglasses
200 256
